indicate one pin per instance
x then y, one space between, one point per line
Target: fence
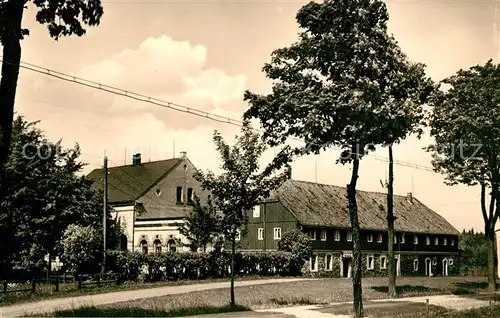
55 281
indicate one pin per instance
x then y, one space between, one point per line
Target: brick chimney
183 154
136 159
409 197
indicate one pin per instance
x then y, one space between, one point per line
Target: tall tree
465 124
44 195
63 18
339 86
202 225
242 184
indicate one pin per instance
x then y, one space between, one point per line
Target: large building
425 243
150 199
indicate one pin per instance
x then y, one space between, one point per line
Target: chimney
409 197
183 154
289 172
136 159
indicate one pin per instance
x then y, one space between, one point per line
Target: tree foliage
345 84
82 248
62 18
465 124
475 251
297 243
43 196
201 226
242 184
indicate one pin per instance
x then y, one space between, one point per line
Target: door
445 267
347 267
428 269
398 266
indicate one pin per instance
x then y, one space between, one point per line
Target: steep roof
128 183
324 205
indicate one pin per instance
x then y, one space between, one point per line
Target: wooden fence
80 281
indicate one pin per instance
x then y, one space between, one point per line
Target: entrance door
347 267
428 269
398 266
445 267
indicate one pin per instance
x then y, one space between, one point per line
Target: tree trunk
353 213
233 251
11 36
390 228
492 275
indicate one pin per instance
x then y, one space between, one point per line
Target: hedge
192 265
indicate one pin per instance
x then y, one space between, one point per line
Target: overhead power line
173 106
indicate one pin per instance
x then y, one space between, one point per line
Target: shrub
300 246
82 248
191 265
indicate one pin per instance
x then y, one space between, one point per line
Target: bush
300 246
82 248
190 265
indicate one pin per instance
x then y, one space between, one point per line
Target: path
50 305
386 307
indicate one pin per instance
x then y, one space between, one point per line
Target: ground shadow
141 312
472 285
404 289
294 302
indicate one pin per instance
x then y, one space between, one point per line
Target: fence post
118 279
427 307
33 285
64 278
5 285
99 280
491 309
57 283
79 281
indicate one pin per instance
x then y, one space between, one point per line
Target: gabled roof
128 183
322 205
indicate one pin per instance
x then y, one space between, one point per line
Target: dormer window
190 195
369 238
379 238
158 192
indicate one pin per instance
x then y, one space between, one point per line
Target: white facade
167 236
126 216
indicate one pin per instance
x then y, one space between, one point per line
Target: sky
205 54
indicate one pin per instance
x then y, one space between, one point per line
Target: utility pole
104 216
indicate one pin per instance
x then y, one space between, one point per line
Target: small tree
201 226
82 248
241 185
337 86
300 245
465 123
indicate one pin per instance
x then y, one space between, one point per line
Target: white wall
126 215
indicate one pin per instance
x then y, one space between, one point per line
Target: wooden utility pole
104 216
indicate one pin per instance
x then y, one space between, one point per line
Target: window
383 262
452 241
238 235
436 241
434 261
369 238
427 240
190 195
312 234
379 238
395 239
179 194
171 245
277 233
445 241
260 234
415 265
328 262
256 211
144 247
349 236
314 263
323 235
369 262
450 261
415 239
402 238
157 246
336 235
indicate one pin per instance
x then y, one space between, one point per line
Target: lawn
323 291
46 291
